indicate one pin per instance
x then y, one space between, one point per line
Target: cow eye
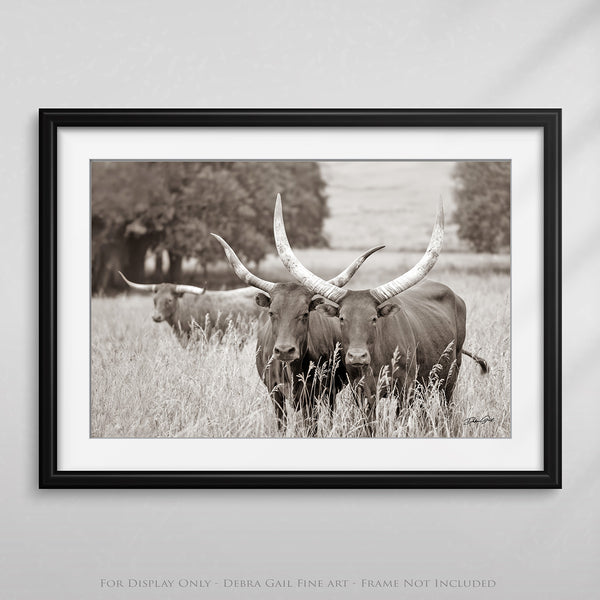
271 314
374 320
305 315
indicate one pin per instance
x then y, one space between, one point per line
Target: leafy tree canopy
174 206
482 195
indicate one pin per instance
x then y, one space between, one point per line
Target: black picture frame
50 120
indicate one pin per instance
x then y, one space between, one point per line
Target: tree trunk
135 249
107 261
97 272
158 266
175 264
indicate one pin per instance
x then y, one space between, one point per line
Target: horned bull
296 344
407 325
186 307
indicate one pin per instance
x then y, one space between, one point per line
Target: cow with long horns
406 325
186 307
296 345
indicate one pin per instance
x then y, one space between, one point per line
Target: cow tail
480 361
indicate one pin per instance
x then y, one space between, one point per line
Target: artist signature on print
480 420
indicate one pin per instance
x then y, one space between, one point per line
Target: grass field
144 384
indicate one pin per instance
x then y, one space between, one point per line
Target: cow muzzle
358 357
285 352
157 318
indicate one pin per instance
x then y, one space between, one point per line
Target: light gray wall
58 544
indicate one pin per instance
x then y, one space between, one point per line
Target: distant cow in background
185 307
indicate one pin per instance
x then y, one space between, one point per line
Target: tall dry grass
144 384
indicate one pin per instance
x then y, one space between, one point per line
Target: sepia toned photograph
278 299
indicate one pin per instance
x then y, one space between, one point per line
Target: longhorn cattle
406 325
184 307
295 347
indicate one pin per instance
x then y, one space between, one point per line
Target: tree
482 195
156 206
131 207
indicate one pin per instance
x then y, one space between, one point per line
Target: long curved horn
144 287
189 289
241 271
295 267
419 271
346 275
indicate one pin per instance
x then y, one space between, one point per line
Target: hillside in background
390 203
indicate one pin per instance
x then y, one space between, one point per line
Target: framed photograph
300 298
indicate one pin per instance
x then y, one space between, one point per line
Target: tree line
158 207
482 195
171 207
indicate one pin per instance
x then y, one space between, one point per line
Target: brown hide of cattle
290 327
410 334
211 310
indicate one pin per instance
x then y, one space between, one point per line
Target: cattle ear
263 300
331 310
387 309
